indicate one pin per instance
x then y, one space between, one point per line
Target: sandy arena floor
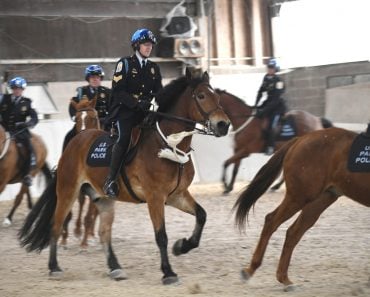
333 258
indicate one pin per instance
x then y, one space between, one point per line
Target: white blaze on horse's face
83 117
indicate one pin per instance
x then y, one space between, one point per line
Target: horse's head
205 105
86 115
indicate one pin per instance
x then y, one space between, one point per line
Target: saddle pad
359 154
288 129
100 152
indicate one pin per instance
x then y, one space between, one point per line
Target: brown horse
316 174
86 117
159 175
12 163
249 131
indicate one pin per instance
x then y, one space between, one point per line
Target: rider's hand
143 105
20 125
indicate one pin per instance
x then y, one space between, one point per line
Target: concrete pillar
222 28
240 31
257 37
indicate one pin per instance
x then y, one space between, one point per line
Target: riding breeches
25 140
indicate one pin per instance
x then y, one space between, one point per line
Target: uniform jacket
102 102
16 111
131 83
274 86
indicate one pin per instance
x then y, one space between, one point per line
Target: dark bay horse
11 166
249 132
154 175
86 117
316 174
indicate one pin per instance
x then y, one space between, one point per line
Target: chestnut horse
86 117
159 175
11 166
316 174
249 132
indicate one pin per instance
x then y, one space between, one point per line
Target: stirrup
111 189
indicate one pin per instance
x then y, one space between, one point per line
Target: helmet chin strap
141 55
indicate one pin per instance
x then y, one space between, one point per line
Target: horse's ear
205 77
188 74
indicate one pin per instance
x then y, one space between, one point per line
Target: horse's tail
326 123
36 230
259 185
47 172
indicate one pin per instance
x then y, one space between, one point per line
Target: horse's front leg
17 201
106 211
187 204
156 211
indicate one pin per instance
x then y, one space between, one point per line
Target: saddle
100 152
286 128
359 154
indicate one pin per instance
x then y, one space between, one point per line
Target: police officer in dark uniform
94 74
274 106
14 111
135 82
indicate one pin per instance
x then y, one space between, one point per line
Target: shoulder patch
279 85
117 78
119 67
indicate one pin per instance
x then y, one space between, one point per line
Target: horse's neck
237 111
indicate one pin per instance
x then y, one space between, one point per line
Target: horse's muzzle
221 128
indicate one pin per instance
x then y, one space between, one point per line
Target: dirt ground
332 259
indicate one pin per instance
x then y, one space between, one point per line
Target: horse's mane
169 95
219 91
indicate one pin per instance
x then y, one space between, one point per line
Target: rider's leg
271 134
27 180
124 127
72 133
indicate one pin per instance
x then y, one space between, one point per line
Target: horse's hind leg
89 223
81 202
189 205
17 201
65 232
307 218
272 221
106 211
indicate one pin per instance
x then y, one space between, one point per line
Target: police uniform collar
140 58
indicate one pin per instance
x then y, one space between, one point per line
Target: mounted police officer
274 106
135 82
16 116
94 75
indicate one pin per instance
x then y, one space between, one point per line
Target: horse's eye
200 96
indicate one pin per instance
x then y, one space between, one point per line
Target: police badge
152 70
119 67
102 95
24 108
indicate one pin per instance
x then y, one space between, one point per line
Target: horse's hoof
117 274
56 274
245 275
290 288
7 222
176 250
170 280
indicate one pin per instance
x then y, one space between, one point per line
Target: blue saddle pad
100 152
288 129
359 154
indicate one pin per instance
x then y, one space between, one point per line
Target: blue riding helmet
143 35
17 82
94 70
273 63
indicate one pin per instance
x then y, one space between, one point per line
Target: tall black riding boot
27 179
110 187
